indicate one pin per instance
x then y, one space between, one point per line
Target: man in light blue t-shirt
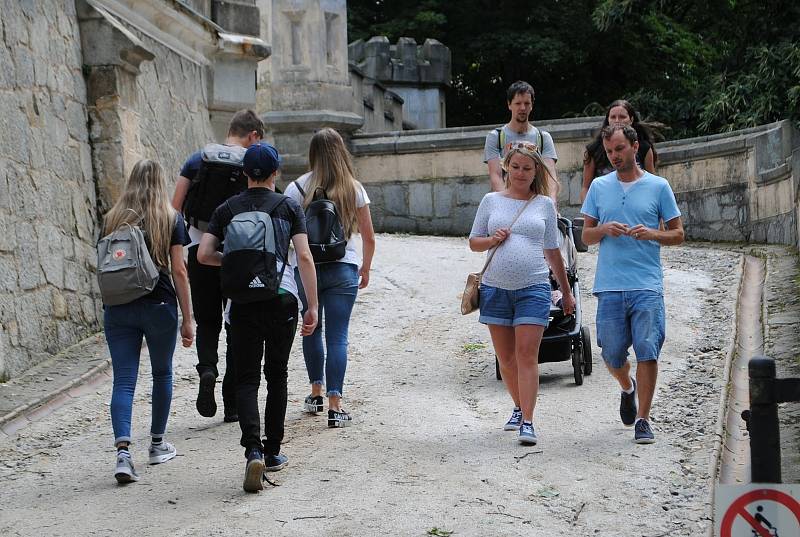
622 212
520 104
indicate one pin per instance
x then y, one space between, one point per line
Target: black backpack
325 231
249 271
220 176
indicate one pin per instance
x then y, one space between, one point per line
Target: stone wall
171 108
419 74
87 88
432 181
740 186
48 298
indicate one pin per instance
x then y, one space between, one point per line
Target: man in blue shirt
622 212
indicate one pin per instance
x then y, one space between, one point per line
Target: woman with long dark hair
154 317
337 281
595 161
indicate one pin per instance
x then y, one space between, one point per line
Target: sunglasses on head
524 145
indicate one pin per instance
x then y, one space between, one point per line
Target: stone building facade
88 87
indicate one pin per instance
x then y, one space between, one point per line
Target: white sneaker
125 472
162 452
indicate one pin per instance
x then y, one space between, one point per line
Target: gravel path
427 454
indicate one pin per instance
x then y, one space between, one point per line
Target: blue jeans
337 287
626 318
125 326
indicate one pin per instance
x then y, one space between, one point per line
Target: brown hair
539 185
628 131
332 170
145 200
244 122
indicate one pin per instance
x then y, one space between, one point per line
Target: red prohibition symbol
737 509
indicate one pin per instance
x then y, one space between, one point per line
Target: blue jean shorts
529 305
626 318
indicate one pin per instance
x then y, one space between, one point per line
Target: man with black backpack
208 178
256 227
519 128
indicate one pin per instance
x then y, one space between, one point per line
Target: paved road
427 450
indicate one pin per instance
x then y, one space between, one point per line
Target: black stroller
565 338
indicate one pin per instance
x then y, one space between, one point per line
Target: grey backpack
125 270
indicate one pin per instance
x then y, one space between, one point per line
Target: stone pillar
309 80
111 58
237 16
232 81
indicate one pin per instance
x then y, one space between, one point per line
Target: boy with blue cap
270 322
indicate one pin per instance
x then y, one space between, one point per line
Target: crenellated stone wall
48 296
418 74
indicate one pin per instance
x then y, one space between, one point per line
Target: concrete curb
27 413
719 430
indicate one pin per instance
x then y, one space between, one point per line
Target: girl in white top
337 281
515 289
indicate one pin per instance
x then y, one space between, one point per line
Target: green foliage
767 88
698 67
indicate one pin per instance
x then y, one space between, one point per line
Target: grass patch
440 532
473 347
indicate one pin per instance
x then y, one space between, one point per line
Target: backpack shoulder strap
300 189
500 144
541 140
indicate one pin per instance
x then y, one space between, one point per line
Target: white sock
630 390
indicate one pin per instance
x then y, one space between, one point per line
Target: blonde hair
332 170
144 200
540 184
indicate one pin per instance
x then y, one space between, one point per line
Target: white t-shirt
352 254
519 261
626 185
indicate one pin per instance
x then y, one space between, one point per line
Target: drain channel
735 456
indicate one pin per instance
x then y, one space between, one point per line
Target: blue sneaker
514 421
527 435
276 462
627 406
253 471
642 433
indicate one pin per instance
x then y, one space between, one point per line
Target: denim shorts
626 318
529 305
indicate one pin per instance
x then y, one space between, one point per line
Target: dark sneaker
312 404
642 433
253 471
527 435
124 471
277 462
339 418
162 452
627 406
514 421
206 405
231 418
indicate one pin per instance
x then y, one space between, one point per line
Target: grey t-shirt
519 261
491 149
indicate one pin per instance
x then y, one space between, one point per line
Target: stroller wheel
577 363
586 343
